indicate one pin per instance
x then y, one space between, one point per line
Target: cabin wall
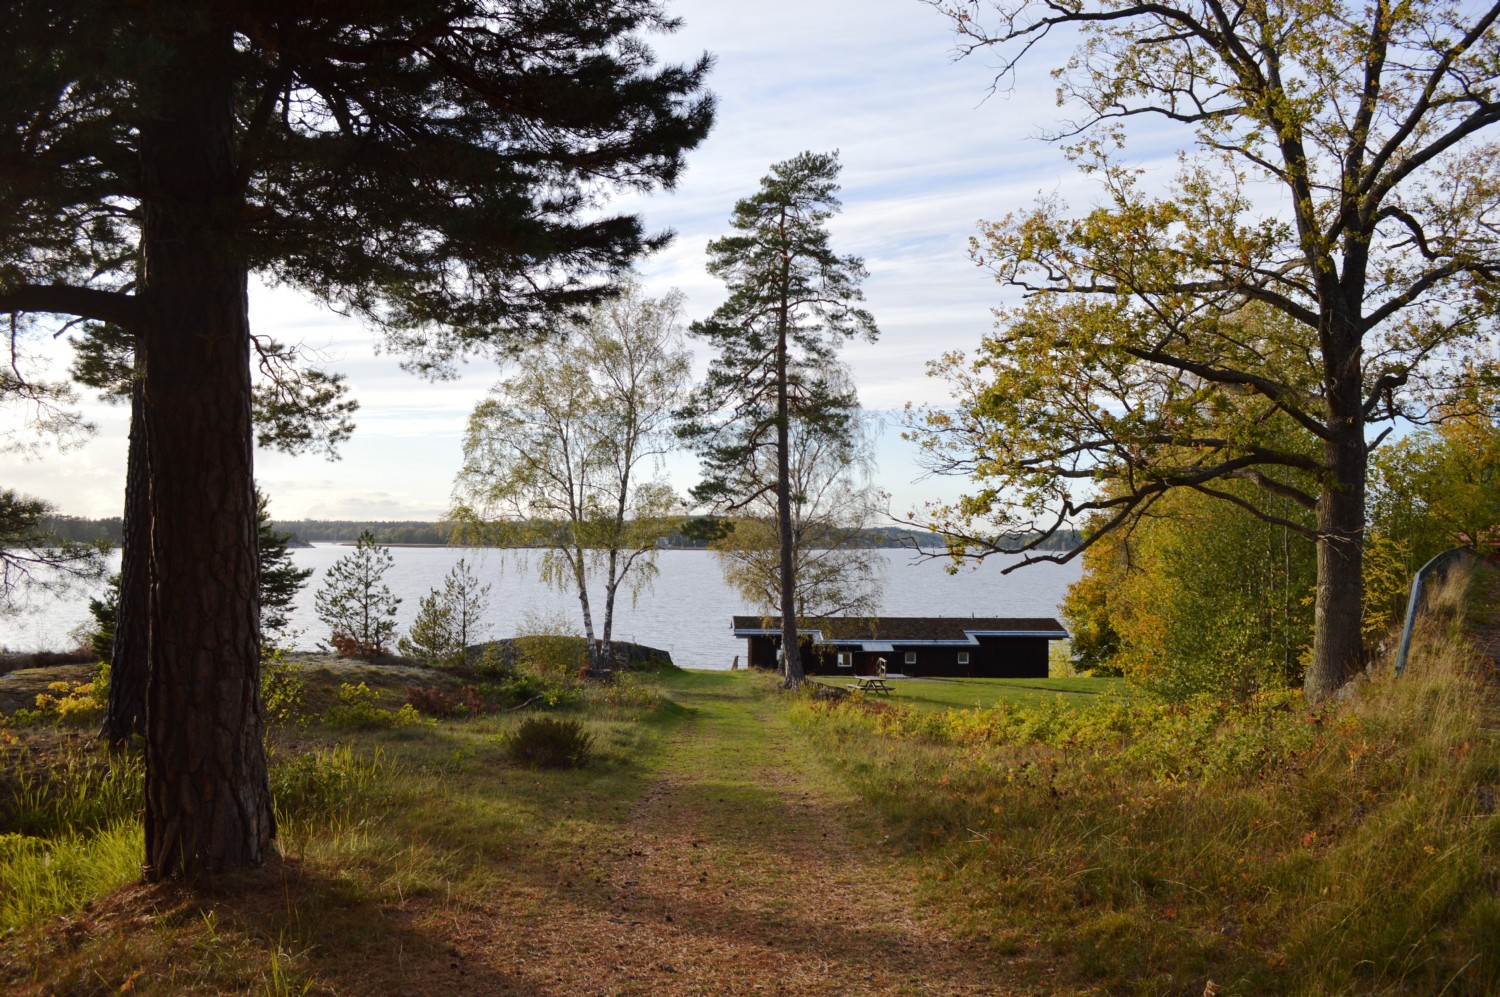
992 657
761 652
817 659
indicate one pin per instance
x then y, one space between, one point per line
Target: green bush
79 791
281 686
322 783
550 743
358 709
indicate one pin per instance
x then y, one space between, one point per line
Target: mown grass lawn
964 694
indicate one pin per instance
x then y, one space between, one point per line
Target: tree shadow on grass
280 928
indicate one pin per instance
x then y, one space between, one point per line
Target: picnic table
871 683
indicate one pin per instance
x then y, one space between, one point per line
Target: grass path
722 883
721 860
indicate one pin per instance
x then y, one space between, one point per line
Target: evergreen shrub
550 743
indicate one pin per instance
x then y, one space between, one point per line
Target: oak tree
1321 259
436 168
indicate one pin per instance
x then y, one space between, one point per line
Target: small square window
963 657
846 659
911 657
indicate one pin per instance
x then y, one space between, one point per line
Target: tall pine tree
434 167
792 300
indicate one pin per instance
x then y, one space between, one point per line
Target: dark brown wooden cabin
918 646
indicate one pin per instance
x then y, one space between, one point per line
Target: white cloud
926 153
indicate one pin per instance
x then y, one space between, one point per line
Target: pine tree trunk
791 651
129 666
208 800
1338 642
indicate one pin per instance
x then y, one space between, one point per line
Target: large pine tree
435 167
791 301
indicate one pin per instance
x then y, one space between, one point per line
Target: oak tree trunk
208 801
1338 642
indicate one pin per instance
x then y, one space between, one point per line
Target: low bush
346 646
282 687
76 789
467 702
323 782
551 743
77 704
69 827
358 708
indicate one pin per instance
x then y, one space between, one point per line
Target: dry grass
710 850
700 855
1271 849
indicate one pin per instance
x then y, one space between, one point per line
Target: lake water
686 611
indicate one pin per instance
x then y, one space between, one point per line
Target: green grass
368 821
963 694
1151 848
1101 842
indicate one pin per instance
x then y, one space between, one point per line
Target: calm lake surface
686 610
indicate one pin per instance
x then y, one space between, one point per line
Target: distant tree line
84 530
306 531
690 535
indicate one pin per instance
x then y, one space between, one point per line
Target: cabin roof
867 630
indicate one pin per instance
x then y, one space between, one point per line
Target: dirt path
741 871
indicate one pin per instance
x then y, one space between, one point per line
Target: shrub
551 743
281 686
76 703
469 701
358 709
76 791
321 783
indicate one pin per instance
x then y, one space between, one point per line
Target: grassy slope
1275 849
695 850
963 694
1349 850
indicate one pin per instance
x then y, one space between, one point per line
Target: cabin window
963 657
911 657
846 659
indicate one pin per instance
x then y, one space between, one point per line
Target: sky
927 151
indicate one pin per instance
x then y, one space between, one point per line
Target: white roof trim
971 637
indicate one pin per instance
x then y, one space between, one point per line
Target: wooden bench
873 684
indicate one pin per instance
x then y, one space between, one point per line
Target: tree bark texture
1338 643
791 651
577 559
129 664
208 800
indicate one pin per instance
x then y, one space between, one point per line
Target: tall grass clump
69 829
1266 846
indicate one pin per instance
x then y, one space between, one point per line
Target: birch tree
566 454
